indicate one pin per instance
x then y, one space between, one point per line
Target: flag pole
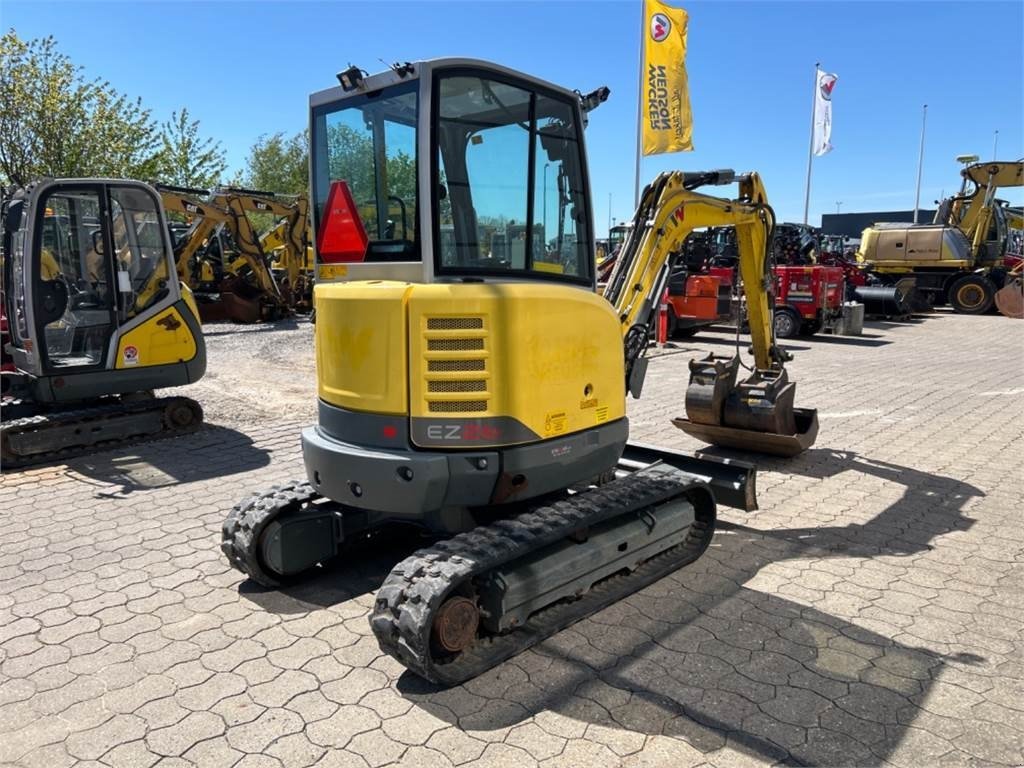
810 143
639 104
920 162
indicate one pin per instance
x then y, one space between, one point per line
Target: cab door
102 265
73 296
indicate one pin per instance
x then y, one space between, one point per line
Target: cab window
369 142
510 185
139 247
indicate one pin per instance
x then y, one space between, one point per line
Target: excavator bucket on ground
1010 298
755 415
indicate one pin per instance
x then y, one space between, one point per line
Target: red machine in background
696 301
809 297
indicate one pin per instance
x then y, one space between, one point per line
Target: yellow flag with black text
667 123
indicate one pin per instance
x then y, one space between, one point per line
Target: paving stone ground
871 613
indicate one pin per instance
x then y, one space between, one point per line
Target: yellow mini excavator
479 393
97 320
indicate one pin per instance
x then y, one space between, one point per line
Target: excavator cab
456 170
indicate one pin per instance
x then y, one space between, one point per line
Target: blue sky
246 68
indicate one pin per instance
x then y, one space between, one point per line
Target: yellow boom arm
757 413
205 217
972 212
669 211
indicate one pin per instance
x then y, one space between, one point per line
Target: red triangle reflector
342 237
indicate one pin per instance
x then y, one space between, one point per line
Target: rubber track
415 589
245 523
86 416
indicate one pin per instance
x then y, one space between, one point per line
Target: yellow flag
666 122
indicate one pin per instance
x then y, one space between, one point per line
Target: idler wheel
455 625
181 415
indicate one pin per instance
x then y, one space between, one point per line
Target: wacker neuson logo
660 27
657 98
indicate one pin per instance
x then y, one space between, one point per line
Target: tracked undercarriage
32 433
458 607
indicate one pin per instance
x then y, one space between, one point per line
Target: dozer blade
1010 298
759 442
754 415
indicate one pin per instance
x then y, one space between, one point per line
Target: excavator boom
757 414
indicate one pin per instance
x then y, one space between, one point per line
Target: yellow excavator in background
221 257
959 259
97 320
203 219
288 246
480 393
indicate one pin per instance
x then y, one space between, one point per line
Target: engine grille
471 385
457 406
455 345
451 366
457 371
455 323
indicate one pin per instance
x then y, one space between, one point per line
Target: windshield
510 185
369 142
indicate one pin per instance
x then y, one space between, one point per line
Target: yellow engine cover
163 339
494 363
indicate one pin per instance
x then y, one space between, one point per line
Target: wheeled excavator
97 320
959 259
480 395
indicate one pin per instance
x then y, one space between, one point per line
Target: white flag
823 113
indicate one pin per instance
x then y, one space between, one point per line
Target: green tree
55 122
279 164
186 159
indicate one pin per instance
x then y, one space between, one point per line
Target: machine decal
130 355
332 271
169 322
500 430
555 423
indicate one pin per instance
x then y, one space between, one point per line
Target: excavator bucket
754 415
1010 298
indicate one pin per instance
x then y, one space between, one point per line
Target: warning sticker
130 355
555 423
332 271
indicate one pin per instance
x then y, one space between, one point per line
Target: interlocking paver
871 612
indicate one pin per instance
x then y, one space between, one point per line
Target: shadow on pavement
211 452
353 574
730 341
871 340
227 328
700 656
886 325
